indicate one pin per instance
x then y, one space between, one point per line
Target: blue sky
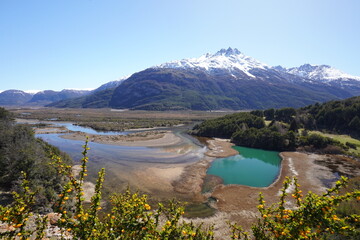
81 44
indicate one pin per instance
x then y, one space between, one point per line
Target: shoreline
141 139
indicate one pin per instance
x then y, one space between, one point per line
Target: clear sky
78 44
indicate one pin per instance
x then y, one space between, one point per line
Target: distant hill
14 97
49 96
21 98
98 99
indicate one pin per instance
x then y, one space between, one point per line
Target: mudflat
139 139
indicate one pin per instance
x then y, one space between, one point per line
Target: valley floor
234 203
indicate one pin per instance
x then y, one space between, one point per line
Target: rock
53 217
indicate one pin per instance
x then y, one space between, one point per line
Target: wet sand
141 139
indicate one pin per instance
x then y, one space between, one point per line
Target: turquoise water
252 167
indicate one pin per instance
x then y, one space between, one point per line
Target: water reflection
76 128
113 153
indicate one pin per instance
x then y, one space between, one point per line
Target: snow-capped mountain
112 84
231 60
227 79
324 73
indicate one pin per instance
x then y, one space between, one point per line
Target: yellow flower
18 225
147 207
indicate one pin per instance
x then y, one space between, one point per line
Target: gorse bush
312 217
131 216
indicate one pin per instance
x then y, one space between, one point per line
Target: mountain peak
228 52
230 60
324 73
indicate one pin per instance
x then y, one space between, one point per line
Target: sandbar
140 139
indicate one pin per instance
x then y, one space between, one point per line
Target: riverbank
313 172
137 139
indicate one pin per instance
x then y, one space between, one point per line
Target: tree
285 114
269 114
354 124
293 126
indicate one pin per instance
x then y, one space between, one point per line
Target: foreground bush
131 217
311 217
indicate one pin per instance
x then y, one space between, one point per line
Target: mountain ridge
227 79
265 86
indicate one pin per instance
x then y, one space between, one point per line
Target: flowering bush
131 217
312 217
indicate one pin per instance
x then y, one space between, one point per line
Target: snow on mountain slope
112 84
324 73
226 59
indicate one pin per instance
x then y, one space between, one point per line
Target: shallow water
251 167
75 128
103 153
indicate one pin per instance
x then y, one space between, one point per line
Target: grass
343 139
267 122
110 120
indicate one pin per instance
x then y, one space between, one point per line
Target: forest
288 128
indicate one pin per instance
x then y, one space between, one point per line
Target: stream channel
252 167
